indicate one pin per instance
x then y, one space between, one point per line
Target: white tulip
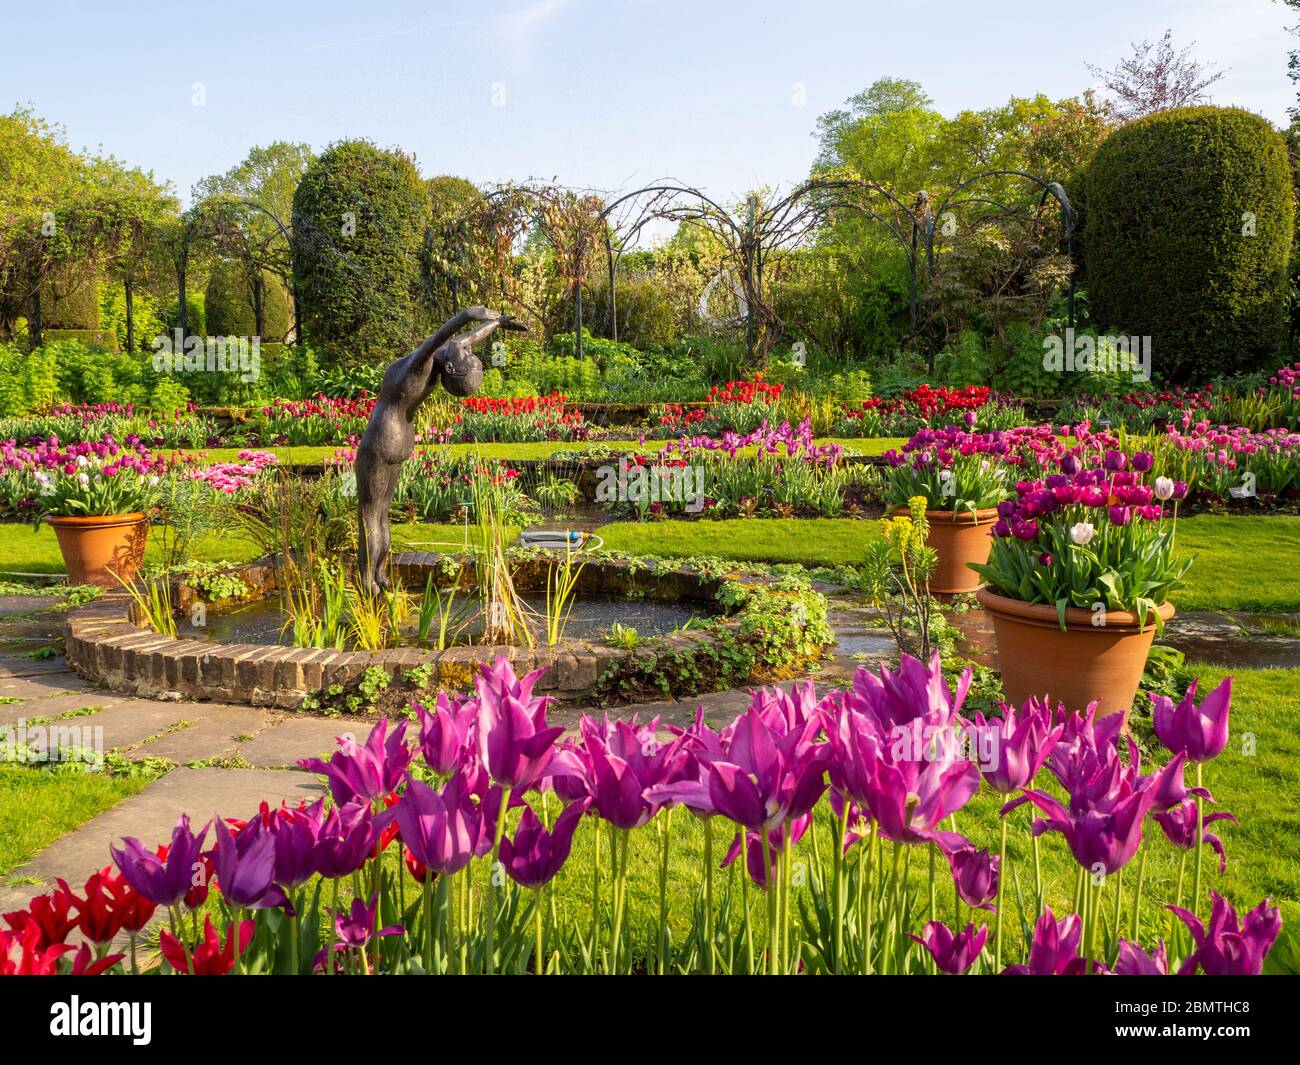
1164 488
1081 533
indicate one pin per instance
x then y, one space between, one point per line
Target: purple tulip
356 927
1114 461
1143 461
1170 788
245 867
515 746
952 953
369 772
975 873
163 881
765 778
624 761
1227 948
909 805
1054 948
1179 826
917 692
1132 960
1022 741
1103 822
1119 515
444 733
442 830
346 840
535 855
1200 731
295 833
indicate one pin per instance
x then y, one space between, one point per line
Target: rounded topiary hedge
1188 232
359 217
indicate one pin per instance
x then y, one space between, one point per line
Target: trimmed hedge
1171 200
359 218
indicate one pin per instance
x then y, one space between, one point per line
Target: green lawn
530 450
39 806
1243 562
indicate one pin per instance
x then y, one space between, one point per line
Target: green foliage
1171 202
229 303
359 218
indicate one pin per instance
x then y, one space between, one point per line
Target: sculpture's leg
376 484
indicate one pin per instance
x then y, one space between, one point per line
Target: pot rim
73 521
983 516
1075 617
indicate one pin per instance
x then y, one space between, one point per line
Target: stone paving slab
37 687
32 667
19 605
128 723
281 745
150 816
215 731
53 706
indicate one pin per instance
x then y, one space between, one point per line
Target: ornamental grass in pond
438 851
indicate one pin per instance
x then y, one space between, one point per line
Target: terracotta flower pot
93 546
958 538
1087 661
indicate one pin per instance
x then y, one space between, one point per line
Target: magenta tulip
953 953
1226 947
1200 731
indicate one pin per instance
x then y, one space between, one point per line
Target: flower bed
447 852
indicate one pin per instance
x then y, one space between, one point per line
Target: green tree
359 220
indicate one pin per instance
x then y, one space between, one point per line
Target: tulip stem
787 864
539 955
620 896
837 865
595 891
867 900
335 882
1135 928
1038 860
428 923
769 883
1119 899
492 883
663 826
744 896
1094 891
1002 881
894 916
709 945
1200 836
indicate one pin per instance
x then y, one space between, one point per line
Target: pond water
591 616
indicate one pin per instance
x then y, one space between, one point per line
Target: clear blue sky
604 94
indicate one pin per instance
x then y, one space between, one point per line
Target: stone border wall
104 643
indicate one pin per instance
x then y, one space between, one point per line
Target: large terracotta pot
93 546
1075 666
958 538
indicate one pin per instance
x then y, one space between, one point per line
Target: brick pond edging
104 643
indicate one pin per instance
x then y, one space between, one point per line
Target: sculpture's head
462 372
